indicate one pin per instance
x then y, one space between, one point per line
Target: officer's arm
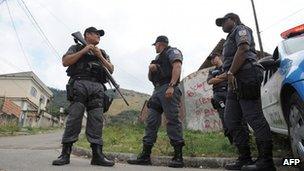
215 80
70 59
239 58
176 71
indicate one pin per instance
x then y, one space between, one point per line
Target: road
36 152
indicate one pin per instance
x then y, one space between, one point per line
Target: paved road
35 153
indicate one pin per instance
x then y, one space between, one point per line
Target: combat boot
98 158
144 157
243 159
64 158
177 160
264 161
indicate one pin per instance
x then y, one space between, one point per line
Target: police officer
164 73
218 79
86 92
243 99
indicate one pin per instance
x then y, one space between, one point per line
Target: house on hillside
28 92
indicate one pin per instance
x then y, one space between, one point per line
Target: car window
293 45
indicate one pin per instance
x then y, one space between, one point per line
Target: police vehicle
282 90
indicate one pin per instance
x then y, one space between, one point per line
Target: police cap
219 21
163 39
94 30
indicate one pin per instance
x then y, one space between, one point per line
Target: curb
195 162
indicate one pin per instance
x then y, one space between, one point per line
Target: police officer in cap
86 92
218 79
164 73
243 99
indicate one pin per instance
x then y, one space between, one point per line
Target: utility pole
257 28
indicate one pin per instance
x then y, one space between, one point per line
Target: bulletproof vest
164 69
230 48
222 86
87 66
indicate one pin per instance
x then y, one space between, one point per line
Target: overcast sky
131 26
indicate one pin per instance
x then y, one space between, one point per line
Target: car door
270 94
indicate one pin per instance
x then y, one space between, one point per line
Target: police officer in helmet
218 79
243 99
85 91
164 73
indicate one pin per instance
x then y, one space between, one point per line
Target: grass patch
11 128
128 139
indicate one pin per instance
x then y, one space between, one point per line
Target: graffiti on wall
200 114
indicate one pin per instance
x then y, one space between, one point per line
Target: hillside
135 99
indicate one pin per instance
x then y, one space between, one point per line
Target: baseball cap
213 55
163 39
93 29
220 21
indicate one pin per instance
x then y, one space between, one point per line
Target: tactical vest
88 66
164 69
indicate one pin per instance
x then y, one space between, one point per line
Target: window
42 99
33 92
294 45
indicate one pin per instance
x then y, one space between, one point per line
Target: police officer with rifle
88 69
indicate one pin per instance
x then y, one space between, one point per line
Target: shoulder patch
242 32
176 52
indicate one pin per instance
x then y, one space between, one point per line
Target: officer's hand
169 92
88 48
153 67
231 78
97 52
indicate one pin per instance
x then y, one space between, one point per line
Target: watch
171 84
229 73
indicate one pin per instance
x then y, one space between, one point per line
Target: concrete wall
22 88
199 112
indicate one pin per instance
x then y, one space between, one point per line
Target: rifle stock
78 37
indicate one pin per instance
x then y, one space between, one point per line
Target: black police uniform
245 102
158 104
85 91
219 96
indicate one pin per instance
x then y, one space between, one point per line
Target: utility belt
220 89
160 83
93 79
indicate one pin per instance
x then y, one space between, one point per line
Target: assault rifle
79 38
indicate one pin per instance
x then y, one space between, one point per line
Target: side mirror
269 62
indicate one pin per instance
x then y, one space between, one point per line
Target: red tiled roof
10 108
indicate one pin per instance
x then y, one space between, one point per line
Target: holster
216 104
107 100
69 89
249 88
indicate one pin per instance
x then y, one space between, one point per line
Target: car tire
296 126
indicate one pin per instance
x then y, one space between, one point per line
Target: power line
277 22
17 35
55 17
10 64
39 28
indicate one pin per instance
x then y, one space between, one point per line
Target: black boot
144 157
243 159
264 161
98 158
64 158
177 160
